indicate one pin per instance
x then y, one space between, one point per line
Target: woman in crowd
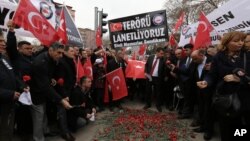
225 62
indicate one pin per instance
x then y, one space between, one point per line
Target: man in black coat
204 96
154 71
21 59
10 89
66 80
84 107
113 64
41 87
185 73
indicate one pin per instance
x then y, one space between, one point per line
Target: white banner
189 31
232 16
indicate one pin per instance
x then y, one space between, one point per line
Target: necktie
153 67
188 61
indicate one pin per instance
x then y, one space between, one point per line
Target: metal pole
96 18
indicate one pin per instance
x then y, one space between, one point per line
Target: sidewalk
88 132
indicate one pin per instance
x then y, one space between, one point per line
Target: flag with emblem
28 17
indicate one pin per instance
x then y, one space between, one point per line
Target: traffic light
103 22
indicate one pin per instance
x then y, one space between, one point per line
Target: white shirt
201 66
155 72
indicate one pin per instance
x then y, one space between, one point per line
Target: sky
84 16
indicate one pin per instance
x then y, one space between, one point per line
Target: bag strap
245 61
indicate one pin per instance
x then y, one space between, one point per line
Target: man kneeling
84 108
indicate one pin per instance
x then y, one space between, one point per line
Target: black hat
190 46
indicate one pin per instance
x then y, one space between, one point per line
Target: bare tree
192 8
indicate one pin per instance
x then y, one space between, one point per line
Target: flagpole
110 72
15 14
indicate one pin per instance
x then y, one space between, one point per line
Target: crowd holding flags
45 21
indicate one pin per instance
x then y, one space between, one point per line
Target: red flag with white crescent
172 41
142 49
203 33
117 82
135 69
28 17
61 31
79 70
88 71
98 37
179 22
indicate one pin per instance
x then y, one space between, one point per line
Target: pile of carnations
141 125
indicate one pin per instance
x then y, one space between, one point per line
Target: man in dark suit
66 80
41 87
10 89
22 59
185 72
113 64
204 96
154 71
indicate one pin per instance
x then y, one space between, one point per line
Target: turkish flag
135 69
98 37
115 27
79 70
142 49
172 40
179 22
133 56
61 31
88 69
117 82
28 17
203 33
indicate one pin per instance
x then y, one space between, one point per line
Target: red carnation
26 78
60 81
168 62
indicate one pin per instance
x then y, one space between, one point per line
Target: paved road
88 132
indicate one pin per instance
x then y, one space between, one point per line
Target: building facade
88 37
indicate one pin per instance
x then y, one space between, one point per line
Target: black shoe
146 107
198 130
72 137
159 108
68 137
207 136
51 134
183 116
170 108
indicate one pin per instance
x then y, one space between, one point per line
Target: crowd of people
59 96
